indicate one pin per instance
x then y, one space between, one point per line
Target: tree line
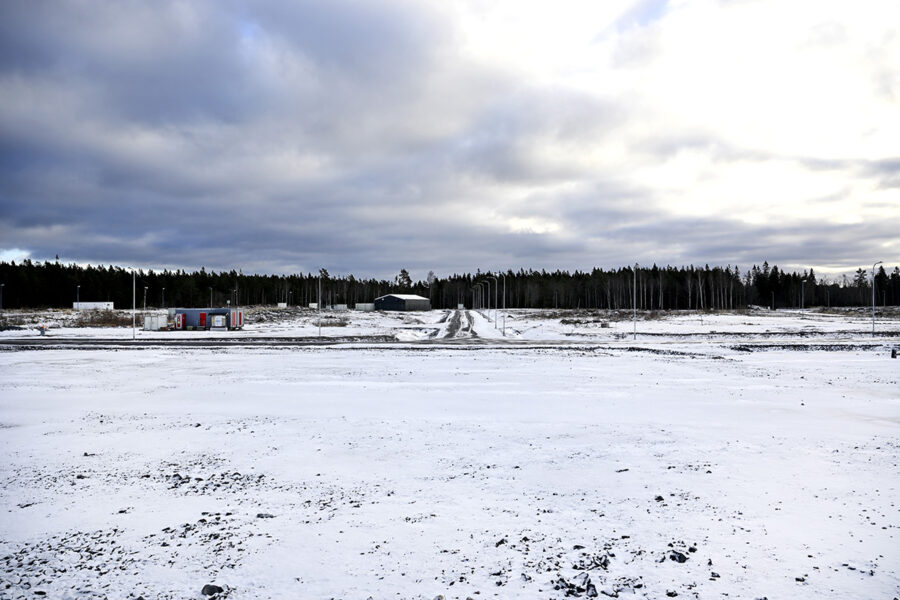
34 284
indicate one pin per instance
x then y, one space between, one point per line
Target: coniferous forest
32 284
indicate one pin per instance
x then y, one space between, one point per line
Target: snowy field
740 455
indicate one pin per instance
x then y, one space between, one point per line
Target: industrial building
402 302
215 319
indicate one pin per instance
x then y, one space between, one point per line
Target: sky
365 137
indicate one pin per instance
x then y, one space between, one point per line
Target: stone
210 590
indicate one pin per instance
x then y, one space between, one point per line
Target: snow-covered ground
510 325
678 464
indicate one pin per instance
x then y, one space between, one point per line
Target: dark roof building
402 302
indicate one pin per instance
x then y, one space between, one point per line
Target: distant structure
402 302
92 305
212 319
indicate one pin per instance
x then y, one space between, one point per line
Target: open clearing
738 455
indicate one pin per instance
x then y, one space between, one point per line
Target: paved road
674 347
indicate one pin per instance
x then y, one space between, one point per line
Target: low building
402 302
214 319
92 305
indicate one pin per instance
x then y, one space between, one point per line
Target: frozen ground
574 463
522 325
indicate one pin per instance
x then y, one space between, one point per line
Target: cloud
368 136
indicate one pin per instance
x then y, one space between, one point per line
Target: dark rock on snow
210 590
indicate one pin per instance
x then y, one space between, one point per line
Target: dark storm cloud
278 137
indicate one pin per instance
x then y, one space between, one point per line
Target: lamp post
873 297
164 297
503 275
133 302
478 303
78 296
210 296
1 295
319 303
145 299
802 294
496 290
634 302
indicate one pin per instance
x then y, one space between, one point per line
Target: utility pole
319 303
873 297
133 302
210 297
164 297
145 299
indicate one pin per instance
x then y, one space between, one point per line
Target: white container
156 322
92 305
365 307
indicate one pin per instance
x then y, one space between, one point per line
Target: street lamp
133 302
802 294
78 296
503 275
873 297
145 298
1 295
164 298
634 302
210 297
488 297
496 289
